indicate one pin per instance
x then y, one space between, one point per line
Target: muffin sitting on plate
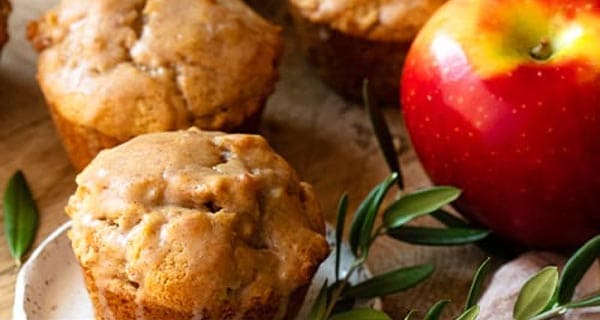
114 69
350 40
195 225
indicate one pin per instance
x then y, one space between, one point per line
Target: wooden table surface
327 139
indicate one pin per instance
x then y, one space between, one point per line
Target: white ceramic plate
50 285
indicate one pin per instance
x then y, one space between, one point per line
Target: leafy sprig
363 233
548 294
545 295
333 300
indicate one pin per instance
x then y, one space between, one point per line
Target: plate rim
18 303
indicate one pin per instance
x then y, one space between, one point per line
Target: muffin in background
5 9
350 40
195 225
114 69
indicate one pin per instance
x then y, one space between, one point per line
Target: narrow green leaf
359 218
470 314
476 288
339 232
417 204
449 219
361 314
365 214
437 236
409 315
382 133
492 244
391 282
20 216
435 312
575 269
584 303
536 293
320 305
369 222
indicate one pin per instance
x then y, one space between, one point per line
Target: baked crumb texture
114 69
195 225
351 40
5 9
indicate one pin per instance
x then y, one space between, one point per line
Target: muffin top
383 20
202 222
127 67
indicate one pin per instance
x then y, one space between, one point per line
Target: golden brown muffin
114 69
193 224
5 9
350 40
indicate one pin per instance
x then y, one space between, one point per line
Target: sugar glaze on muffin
193 224
114 69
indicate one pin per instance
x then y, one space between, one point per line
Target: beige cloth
498 300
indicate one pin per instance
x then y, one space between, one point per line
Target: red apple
502 99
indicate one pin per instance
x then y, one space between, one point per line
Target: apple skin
519 135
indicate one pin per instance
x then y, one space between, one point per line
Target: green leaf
435 312
320 305
449 219
476 288
592 301
470 314
20 216
492 244
391 282
437 236
339 232
382 133
359 218
536 293
361 314
576 268
418 203
364 218
365 238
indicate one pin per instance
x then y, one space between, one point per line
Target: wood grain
327 139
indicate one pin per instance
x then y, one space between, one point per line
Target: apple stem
542 51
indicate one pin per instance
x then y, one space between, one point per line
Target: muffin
114 69
195 225
5 9
351 40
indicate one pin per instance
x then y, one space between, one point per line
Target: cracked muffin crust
211 226
114 69
350 40
5 9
